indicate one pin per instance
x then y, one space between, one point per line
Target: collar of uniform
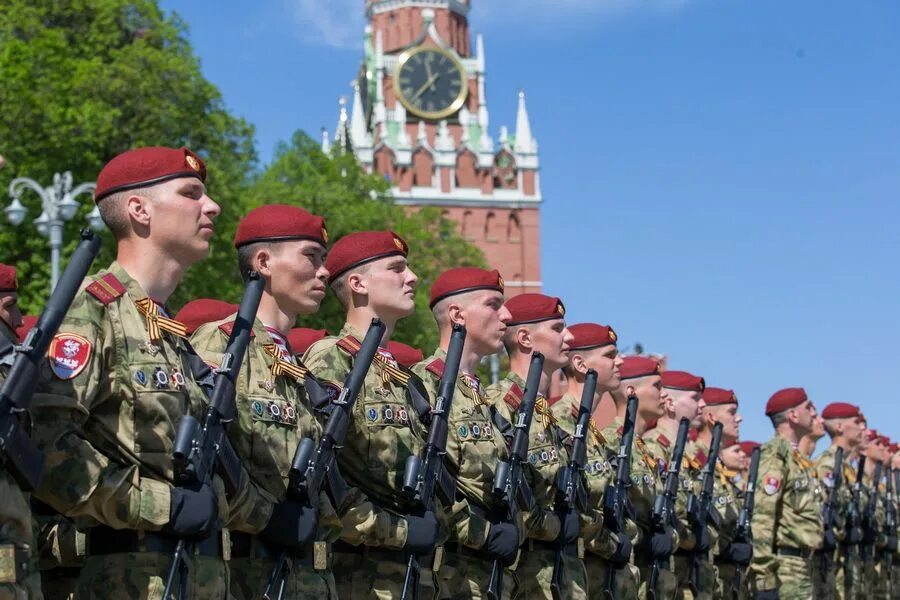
569 404
131 285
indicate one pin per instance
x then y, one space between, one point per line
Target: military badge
192 162
267 385
275 410
68 355
544 456
290 414
372 414
178 378
161 378
771 484
463 431
532 458
476 431
140 377
257 408
403 416
388 414
488 431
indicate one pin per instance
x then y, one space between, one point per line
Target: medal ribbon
281 366
543 410
156 323
389 371
474 387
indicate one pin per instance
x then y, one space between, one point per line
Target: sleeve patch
68 355
437 367
771 484
106 289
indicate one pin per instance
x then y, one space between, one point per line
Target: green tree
83 80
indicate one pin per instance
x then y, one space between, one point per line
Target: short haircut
339 285
780 417
247 253
113 211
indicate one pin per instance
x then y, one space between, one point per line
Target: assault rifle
830 507
570 491
18 454
854 515
424 475
199 448
868 521
701 512
743 532
312 464
509 476
616 503
663 515
890 520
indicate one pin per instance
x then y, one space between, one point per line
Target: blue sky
720 176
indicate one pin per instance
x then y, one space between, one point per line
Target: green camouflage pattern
141 576
825 568
729 501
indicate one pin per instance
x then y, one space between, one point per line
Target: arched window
513 228
489 227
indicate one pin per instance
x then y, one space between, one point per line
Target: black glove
292 525
739 553
193 512
422 533
891 543
569 528
622 554
702 542
503 542
767 595
854 536
829 541
870 536
662 543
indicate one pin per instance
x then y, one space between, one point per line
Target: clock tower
419 117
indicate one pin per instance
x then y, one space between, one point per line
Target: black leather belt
797 552
568 550
457 548
385 554
245 545
106 540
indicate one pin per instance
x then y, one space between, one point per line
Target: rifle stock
701 512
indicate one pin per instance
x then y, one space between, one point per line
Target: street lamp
58 204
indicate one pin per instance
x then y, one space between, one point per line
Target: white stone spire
358 134
341 134
422 135
403 140
326 143
525 143
482 95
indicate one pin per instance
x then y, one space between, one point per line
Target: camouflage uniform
273 416
105 413
729 504
874 584
787 522
17 547
474 445
61 548
600 543
384 430
546 455
828 570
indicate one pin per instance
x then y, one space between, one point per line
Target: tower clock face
430 83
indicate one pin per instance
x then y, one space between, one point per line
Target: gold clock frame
438 114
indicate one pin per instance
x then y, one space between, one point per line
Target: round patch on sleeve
68 355
771 484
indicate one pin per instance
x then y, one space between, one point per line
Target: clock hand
424 87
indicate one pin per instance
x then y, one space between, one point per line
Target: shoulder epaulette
349 344
106 289
554 399
663 440
436 367
701 457
514 396
229 326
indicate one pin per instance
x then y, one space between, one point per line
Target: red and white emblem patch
68 355
771 484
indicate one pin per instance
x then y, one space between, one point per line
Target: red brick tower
420 118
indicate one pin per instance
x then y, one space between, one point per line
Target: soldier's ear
136 207
523 338
455 312
578 363
356 283
261 262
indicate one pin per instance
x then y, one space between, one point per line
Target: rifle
890 522
663 515
743 532
423 475
869 516
199 448
854 512
570 491
701 511
615 497
830 507
311 463
18 454
508 490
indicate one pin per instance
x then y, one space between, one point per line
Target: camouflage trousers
726 589
850 576
61 549
464 576
535 571
824 576
707 584
666 584
895 578
626 583
141 576
365 573
881 590
16 544
794 578
250 576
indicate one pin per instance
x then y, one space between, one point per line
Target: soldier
538 324
19 577
286 246
895 564
301 338
787 522
873 494
594 347
472 297
747 448
808 442
721 406
118 377
370 276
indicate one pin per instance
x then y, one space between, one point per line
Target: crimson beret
534 308
301 338
8 280
203 310
278 222
361 247
464 279
894 448
871 435
885 440
841 410
404 354
591 335
747 447
714 396
639 366
784 399
28 321
682 380
144 167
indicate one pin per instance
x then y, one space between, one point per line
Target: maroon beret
682 380
534 308
784 399
301 338
639 366
748 446
871 435
279 222
590 335
894 448
28 321
841 410
203 310
8 280
464 279
406 355
144 167
714 396
885 440
358 248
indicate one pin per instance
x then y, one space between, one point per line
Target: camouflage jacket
788 510
107 406
823 469
273 415
879 512
727 498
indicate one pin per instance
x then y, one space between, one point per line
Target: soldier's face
9 309
297 275
727 415
552 339
685 404
181 218
391 287
818 429
651 395
806 414
733 457
853 431
895 462
485 317
607 362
